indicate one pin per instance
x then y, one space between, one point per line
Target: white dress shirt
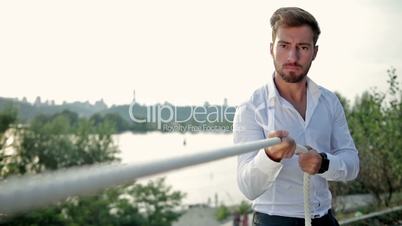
276 188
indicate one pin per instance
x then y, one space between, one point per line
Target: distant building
38 101
100 105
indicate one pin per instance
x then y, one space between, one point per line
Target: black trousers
262 219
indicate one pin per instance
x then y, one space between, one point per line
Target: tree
60 141
113 118
50 144
157 203
376 126
244 207
7 118
222 213
153 204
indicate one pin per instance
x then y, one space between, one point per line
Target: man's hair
293 17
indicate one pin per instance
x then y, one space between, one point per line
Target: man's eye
282 45
304 48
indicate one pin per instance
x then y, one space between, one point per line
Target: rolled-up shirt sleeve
344 159
255 171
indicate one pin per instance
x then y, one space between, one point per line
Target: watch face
324 163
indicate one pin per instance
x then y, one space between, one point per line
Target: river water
212 183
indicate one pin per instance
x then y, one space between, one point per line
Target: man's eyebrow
304 44
300 43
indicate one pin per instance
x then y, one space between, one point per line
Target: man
291 106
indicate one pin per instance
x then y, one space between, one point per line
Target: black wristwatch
324 163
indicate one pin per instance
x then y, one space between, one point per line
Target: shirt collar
273 94
313 91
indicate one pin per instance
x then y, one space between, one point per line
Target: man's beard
292 77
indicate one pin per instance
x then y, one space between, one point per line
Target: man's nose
293 55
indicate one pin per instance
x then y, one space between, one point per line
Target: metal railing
370 215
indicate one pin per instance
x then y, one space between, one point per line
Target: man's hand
283 150
310 162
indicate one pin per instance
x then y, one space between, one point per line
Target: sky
184 51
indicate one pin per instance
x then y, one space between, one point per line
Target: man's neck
292 92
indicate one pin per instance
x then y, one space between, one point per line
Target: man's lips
291 66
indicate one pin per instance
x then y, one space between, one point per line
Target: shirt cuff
267 165
336 168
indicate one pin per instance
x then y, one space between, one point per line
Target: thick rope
306 193
24 193
306 190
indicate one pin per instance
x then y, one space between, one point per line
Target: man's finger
287 145
278 133
278 147
288 155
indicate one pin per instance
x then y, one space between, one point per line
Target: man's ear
271 48
315 52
